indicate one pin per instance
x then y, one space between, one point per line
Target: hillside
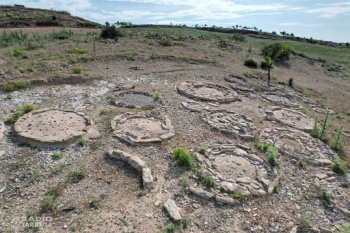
17 17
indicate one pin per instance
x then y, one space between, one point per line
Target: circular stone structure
2 129
142 128
281 100
237 170
135 100
230 123
52 128
207 91
291 118
195 106
297 144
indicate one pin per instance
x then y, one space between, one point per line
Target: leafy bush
290 81
49 202
301 163
95 203
110 32
64 64
323 194
338 166
183 157
27 108
20 112
57 155
31 69
239 38
207 179
277 51
157 95
165 41
15 86
304 221
250 62
77 70
272 150
263 64
77 50
9 96
263 146
238 196
86 58
82 141
78 173
56 190
18 52
272 160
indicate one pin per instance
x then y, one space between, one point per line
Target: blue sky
326 20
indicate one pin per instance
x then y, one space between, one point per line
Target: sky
326 20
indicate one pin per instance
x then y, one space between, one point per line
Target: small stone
172 209
321 176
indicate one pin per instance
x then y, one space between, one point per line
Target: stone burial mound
280 100
234 170
52 128
230 123
142 128
207 92
297 144
2 129
135 100
290 118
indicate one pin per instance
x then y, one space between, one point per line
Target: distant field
47 30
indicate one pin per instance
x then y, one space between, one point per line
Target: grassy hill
18 17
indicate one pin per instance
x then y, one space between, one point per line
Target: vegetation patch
183 157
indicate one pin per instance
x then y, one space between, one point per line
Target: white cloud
300 24
332 11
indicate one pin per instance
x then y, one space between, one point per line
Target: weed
56 190
304 221
323 194
183 157
250 62
165 41
105 111
263 146
338 166
323 132
58 88
58 74
18 52
336 144
82 141
86 58
15 86
206 179
238 196
303 110
95 203
134 85
77 50
31 69
9 96
202 151
157 95
215 128
64 64
49 203
290 82
60 167
86 94
57 155
301 163
20 112
78 173
184 180
77 70
272 160
132 58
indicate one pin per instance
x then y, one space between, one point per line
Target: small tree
268 66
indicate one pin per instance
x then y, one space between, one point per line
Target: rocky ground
109 185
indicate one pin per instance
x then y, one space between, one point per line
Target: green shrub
78 173
272 160
110 32
77 50
95 203
157 95
18 52
277 51
15 86
323 194
263 146
290 81
134 85
9 96
206 179
31 69
165 41
57 155
215 128
64 64
263 64
238 196
56 190
58 74
77 70
82 141
183 157
272 150
202 151
250 62
86 58
184 180
27 108
338 166
303 110
20 112
49 202
301 163
304 221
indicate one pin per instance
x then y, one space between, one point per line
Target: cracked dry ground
28 173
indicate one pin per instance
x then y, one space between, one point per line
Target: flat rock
321 176
226 200
147 178
93 132
200 192
172 209
137 163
